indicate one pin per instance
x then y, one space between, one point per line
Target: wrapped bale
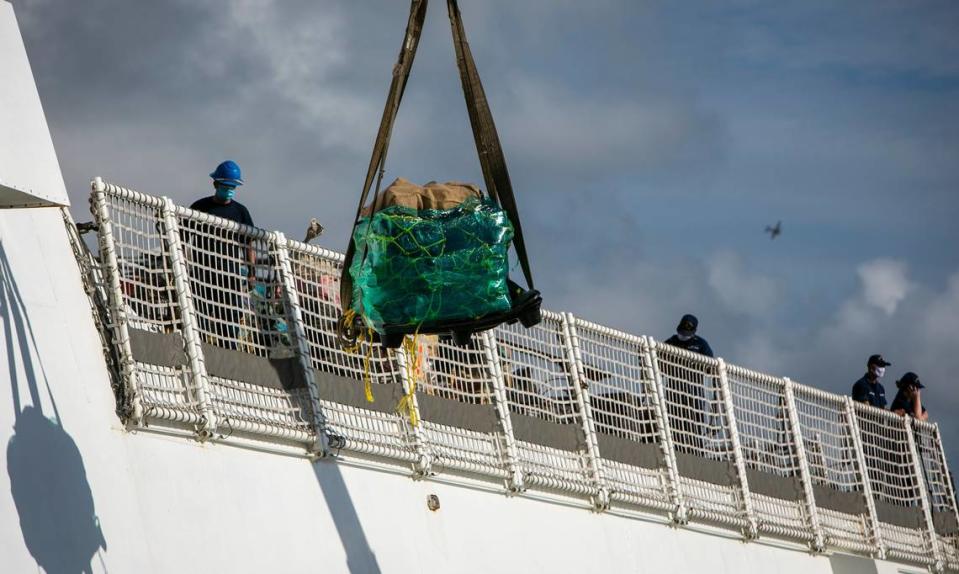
428 254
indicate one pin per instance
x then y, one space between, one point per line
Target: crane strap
488 148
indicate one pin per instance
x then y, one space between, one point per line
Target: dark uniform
216 270
901 457
695 344
901 401
234 211
873 393
904 402
884 455
685 390
881 449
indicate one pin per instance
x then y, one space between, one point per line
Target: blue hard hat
228 173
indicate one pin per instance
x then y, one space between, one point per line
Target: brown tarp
433 195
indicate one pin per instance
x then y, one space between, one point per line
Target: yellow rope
413 372
367 378
348 317
414 367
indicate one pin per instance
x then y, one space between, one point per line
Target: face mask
683 337
879 371
225 193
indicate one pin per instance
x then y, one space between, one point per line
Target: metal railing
567 407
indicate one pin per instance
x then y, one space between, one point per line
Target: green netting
431 265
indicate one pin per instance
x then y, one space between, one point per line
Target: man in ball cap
685 388
686 337
868 389
908 400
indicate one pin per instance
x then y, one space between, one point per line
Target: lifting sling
524 303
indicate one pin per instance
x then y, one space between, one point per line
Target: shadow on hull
360 558
48 480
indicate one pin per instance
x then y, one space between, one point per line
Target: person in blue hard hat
869 389
685 388
226 178
223 264
908 400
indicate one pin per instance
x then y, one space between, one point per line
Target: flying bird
774 230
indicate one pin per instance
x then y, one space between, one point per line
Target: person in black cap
868 389
685 389
908 400
686 337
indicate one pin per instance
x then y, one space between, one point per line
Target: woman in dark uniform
908 400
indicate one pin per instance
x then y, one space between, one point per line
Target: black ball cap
910 379
878 361
688 323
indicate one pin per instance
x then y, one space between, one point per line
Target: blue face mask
224 193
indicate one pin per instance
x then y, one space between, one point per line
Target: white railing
567 407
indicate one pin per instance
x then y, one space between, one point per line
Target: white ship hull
165 504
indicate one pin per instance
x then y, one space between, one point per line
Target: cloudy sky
649 144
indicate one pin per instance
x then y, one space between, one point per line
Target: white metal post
424 462
680 513
320 446
812 512
950 492
947 478
111 270
866 483
923 494
516 484
752 530
191 336
581 393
